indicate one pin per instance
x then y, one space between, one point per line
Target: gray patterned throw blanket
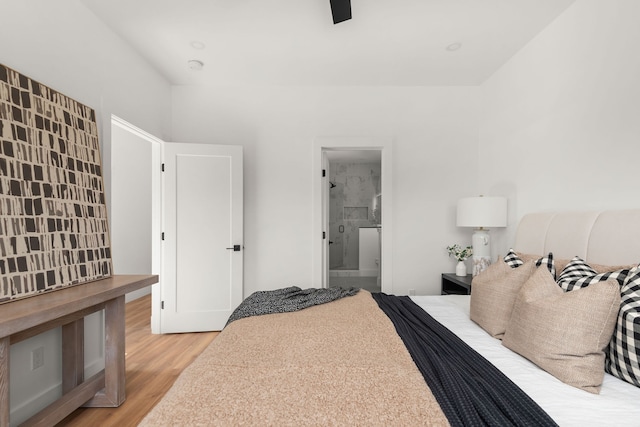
286 300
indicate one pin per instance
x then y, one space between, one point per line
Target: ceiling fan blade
341 10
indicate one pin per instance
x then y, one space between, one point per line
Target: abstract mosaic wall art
54 230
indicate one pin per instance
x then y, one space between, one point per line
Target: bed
344 362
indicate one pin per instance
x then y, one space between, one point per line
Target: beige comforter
340 363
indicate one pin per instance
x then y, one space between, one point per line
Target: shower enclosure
355 213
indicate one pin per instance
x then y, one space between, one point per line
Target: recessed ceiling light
454 46
197 45
195 65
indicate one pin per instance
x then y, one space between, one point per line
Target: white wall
131 203
62 44
434 133
135 202
559 128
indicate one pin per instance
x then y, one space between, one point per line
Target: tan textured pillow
561 263
599 268
564 333
493 293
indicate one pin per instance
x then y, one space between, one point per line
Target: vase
461 269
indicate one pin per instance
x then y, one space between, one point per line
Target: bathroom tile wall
351 206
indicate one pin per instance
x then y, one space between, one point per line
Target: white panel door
202 248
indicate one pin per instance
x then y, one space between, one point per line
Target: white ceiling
294 42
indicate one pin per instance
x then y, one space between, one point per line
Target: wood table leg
4 381
114 357
115 351
72 355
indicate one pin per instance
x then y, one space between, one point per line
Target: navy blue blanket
470 390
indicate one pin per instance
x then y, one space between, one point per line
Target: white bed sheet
618 403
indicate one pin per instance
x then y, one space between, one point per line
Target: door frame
320 270
156 209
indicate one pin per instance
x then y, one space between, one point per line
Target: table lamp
482 213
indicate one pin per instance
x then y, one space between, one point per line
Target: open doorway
324 148
354 218
135 201
135 215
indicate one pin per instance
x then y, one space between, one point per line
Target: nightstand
456 285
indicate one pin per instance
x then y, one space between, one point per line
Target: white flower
460 253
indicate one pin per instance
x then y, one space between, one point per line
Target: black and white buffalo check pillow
512 259
547 261
623 355
578 274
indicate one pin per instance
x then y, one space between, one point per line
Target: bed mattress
617 404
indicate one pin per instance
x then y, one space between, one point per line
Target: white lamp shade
482 212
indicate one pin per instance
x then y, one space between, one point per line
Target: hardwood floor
153 362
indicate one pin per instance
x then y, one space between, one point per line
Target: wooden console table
22 319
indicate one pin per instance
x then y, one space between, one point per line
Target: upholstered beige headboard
605 237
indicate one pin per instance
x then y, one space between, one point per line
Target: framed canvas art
54 229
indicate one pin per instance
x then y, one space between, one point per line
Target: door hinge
324 235
162 236
163 167
324 172
162 305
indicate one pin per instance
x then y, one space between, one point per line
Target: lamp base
481 250
480 264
